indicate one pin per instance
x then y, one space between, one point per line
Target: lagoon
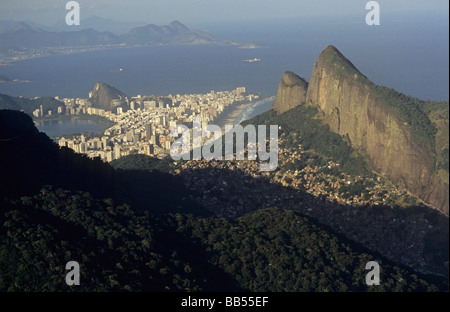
57 128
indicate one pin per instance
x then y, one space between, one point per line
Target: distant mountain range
95 22
21 35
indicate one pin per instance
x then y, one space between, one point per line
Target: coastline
8 60
230 113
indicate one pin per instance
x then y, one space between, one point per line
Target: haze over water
407 54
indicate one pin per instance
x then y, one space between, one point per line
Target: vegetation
298 81
408 110
342 65
280 250
47 102
120 249
134 230
117 248
301 126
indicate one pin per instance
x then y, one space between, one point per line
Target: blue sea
407 53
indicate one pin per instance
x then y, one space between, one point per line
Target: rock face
349 105
291 92
105 97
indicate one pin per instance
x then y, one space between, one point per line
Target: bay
408 53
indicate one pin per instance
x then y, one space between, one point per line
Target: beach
239 112
230 113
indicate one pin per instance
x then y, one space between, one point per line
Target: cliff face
351 108
291 92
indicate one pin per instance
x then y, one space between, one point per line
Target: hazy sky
49 12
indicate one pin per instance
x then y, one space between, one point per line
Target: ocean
404 53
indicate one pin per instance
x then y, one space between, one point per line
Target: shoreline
229 115
9 60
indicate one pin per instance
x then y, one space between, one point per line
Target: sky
197 12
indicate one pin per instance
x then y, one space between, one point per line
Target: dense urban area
145 127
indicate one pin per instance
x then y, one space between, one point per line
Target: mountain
105 97
291 92
29 160
99 24
23 36
29 105
391 129
175 33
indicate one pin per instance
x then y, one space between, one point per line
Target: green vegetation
47 102
442 107
443 164
120 249
410 111
438 113
301 126
342 65
298 81
117 248
134 230
280 250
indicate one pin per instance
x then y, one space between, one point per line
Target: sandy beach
230 113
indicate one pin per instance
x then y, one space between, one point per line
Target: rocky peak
373 119
335 63
291 92
103 96
178 27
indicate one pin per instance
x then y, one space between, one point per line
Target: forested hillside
136 230
120 249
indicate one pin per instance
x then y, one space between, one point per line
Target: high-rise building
148 131
130 135
109 156
117 151
83 148
240 91
105 141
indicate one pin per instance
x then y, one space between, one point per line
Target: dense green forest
117 248
120 249
136 230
